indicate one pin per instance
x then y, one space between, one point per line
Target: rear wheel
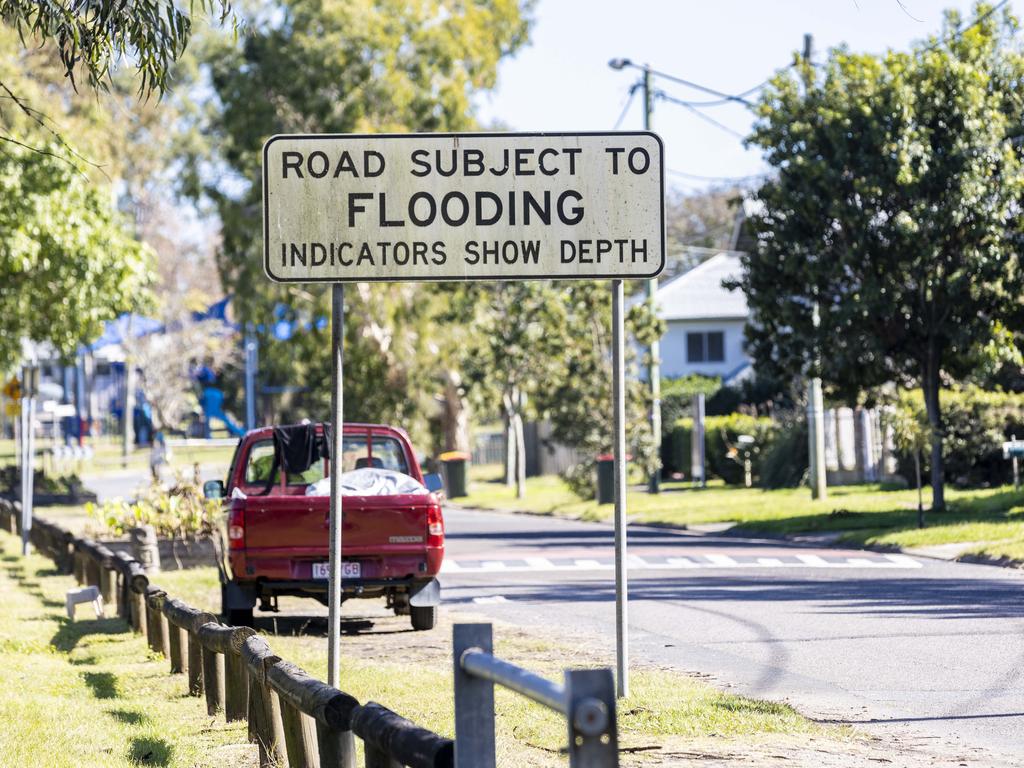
240 617
424 617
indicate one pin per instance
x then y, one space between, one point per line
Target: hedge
720 433
975 425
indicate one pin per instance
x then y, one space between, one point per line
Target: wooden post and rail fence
301 722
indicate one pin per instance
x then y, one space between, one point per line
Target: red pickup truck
277 533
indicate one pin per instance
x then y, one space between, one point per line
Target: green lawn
866 515
88 692
107 458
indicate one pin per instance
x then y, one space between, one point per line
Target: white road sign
481 206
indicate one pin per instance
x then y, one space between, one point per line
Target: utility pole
654 370
251 352
816 424
815 399
127 427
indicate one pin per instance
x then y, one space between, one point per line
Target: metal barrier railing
587 700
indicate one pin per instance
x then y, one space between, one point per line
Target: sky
562 81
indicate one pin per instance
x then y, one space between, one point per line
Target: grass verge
991 519
88 692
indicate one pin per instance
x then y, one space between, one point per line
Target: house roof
699 295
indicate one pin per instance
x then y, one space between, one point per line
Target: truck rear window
386 453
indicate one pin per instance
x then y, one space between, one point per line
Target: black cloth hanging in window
296 448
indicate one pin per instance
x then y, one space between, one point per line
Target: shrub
976 423
721 434
179 514
785 461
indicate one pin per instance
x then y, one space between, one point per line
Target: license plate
348 570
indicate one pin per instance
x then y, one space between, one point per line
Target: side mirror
433 482
213 489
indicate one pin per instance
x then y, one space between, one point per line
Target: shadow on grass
310 626
17 574
147 751
71 632
103 684
128 716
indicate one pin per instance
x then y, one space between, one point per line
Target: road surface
889 643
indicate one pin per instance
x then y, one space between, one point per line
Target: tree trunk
520 457
931 404
456 414
510 439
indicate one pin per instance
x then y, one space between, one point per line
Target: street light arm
620 63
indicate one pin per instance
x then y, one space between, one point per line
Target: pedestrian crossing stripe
710 561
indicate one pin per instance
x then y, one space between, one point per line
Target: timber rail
301 722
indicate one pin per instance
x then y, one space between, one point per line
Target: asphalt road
889 643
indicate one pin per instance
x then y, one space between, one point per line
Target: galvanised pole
619 452
334 588
654 370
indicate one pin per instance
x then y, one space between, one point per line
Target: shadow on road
905 596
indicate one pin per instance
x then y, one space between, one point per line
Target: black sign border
475 134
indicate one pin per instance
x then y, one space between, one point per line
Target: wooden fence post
213 666
236 678
156 623
107 586
337 748
265 727
174 646
299 738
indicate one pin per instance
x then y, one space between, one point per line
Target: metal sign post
619 451
334 586
468 206
30 386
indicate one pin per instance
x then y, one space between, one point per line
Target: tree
893 211
344 67
91 37
516 352
579 401
67 261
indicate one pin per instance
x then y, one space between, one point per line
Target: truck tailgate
299 526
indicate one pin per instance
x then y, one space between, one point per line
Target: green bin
455 463
605 479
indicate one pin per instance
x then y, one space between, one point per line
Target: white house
705 322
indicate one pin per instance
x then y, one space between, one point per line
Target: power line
707 118
629 102
698 177
961 32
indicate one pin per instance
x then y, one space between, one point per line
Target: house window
705 347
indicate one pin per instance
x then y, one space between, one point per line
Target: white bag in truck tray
369 481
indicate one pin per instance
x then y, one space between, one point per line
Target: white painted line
540 563
723 561
816 561
864 562
904 561
681 562
543 564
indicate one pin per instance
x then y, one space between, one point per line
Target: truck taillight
236 528
435 526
